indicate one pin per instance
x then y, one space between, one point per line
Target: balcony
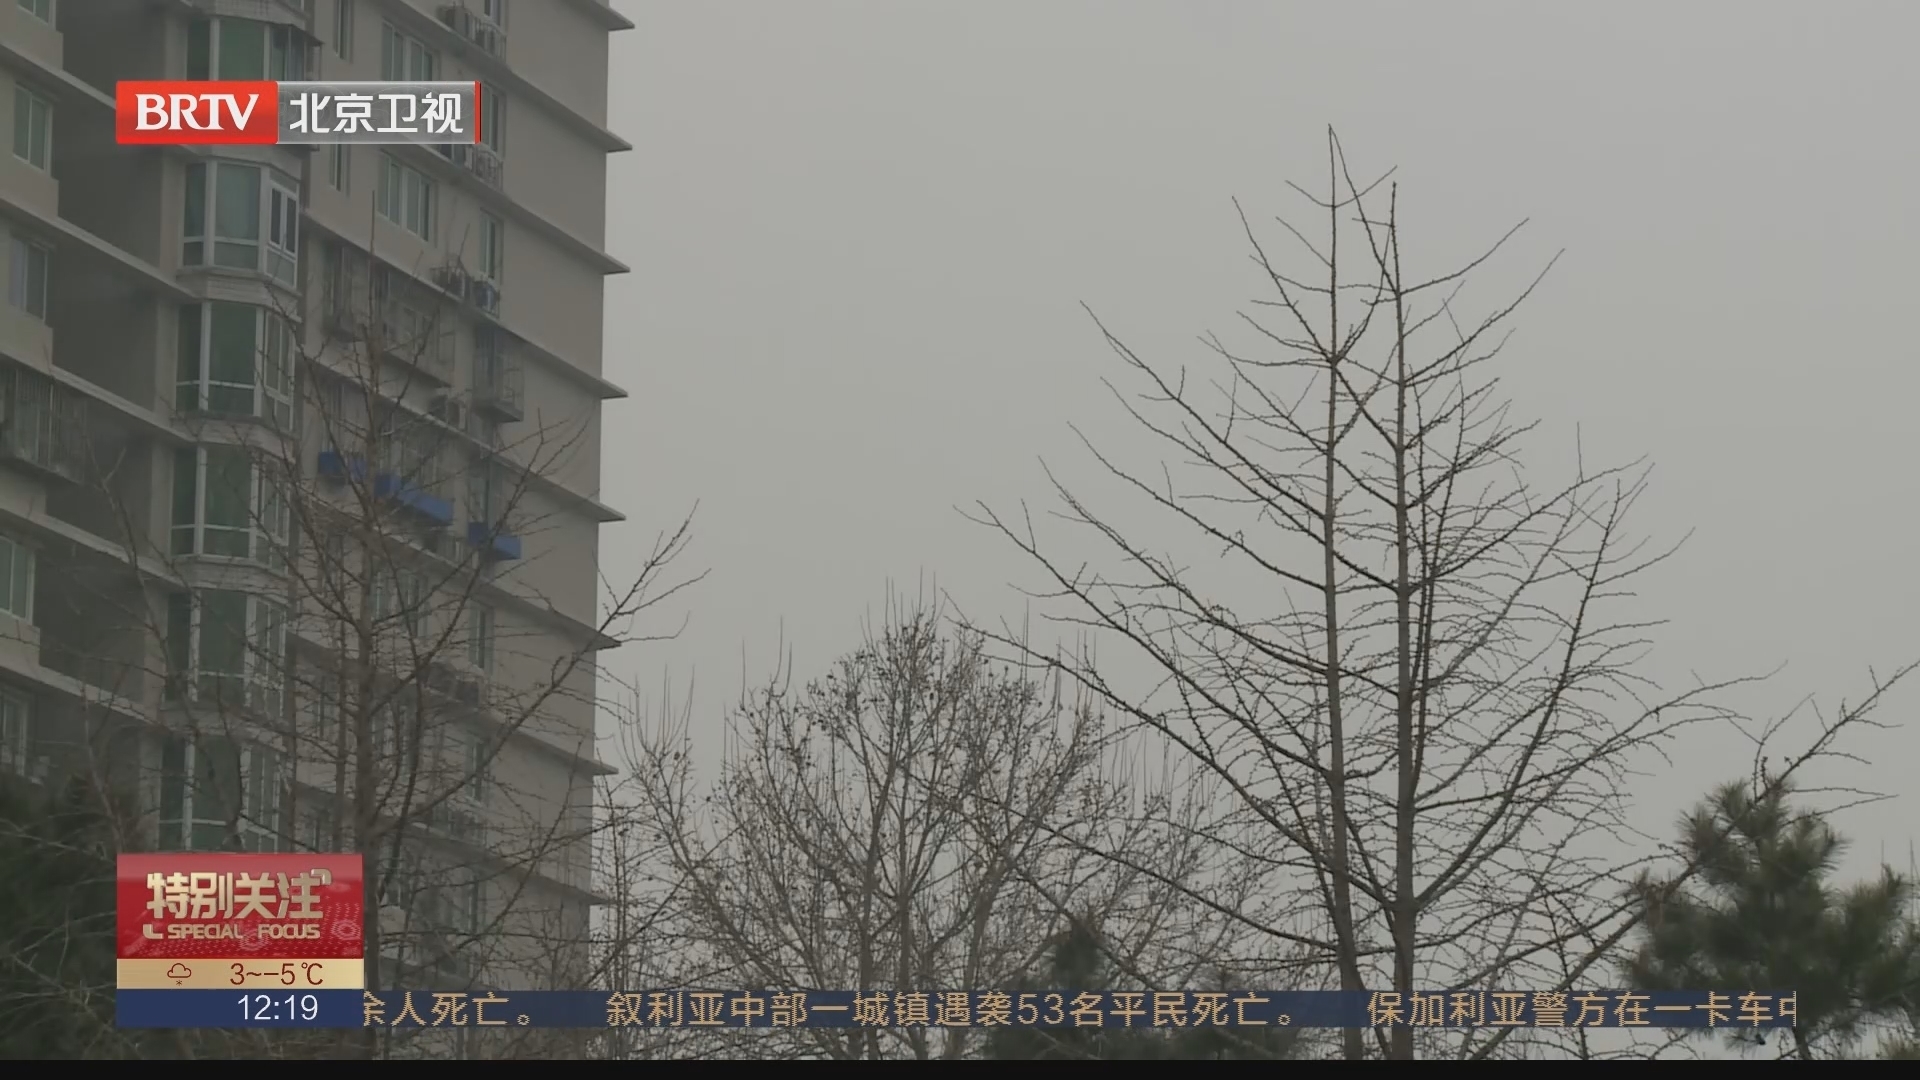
402 332
491 543
42 426
499 383
472 288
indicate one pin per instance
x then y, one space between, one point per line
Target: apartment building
233 379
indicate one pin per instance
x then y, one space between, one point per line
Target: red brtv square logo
186 905
183 112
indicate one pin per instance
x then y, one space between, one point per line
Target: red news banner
227 921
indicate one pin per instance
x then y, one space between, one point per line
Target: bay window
225 647
230 49
227 505
16 579
235 360
219 794
247 214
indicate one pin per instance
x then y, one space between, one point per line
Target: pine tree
1764 915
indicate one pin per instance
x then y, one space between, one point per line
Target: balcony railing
499 383
483 161
402 331
485 34
42 424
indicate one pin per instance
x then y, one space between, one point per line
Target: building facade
300 458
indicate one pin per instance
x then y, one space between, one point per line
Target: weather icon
179 973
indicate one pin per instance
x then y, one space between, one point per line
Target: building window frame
18 568
29 275
257 230
343 29
405 58
39 9
481 625
406 197
32 128
204 474
493 248
216 45
255 644
195 815
339 167
493 119
207 381
16 730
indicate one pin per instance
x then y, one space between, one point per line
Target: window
283 235
404 59
16 713
230 49
16 579
343 29
493 247
217 794
316 830
495 12
30 268
480 638
477 765
235 360
338 169
240 197
487 494
405 197
39 9
406 597
471 902
226 648
32 127
225 505
493 119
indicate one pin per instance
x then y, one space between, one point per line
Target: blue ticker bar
973 1009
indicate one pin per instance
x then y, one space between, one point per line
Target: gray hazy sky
860 233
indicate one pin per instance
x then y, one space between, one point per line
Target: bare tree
918 820
1415 670
362 623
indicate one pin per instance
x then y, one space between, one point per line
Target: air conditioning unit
450 410
470 690
485 295
484 163
454 279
